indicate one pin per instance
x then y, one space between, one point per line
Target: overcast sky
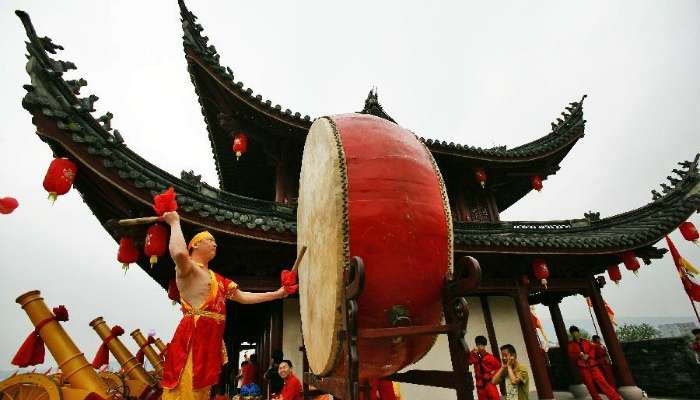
480 74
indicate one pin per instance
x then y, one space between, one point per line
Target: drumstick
139 221
298 260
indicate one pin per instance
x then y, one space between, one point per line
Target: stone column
628 388
534 351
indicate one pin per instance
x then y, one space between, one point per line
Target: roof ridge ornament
688 171
373 107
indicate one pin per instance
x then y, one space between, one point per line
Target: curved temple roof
212 80
631 230
65 122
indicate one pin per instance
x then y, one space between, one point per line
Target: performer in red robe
695 344
582 353
485 367
603 360
292 386
195 354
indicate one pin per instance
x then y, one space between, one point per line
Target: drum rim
334 351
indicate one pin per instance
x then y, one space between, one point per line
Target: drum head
322 226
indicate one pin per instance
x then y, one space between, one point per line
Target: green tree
636 332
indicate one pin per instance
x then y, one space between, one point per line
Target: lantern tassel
483 184
52 197
544 283
238 155
636 272
153 260
125 268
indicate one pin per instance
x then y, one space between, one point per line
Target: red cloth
165 202
102 356
582 346
592 377
289 281
32 350
291 389
250 374
204 338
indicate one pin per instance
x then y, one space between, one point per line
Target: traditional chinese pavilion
252 209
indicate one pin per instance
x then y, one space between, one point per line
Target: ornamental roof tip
373 107
194 39
52 97
688 171
565 130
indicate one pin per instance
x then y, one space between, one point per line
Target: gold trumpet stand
139 382
148 351
83 383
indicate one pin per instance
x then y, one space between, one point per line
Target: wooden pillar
563 339
534 351
491 332
622 370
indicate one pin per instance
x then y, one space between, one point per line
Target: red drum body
370 188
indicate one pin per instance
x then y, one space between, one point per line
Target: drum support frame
466 278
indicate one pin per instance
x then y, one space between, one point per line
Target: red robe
292 388
601 358
485 367
591 375
204 337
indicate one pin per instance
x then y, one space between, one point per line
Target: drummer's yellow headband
198 238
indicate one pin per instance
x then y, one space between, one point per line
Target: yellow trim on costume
198 238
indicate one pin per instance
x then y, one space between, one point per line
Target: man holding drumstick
195 354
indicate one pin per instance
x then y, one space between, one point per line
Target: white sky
480 73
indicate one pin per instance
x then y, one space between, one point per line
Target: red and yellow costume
601 358
590 373
194 358
485 367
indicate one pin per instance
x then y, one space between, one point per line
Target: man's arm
514 379
499 376
243 297
177 246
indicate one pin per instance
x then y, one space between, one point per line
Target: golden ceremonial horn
132 368
76 369
148 351
161 347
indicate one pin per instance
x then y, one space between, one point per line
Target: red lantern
240 144
614 273
689 232
631 262
156 242
537 183
128 253
8 204
480 176
59 177
539 268
165 202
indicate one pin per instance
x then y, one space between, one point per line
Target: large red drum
370 188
